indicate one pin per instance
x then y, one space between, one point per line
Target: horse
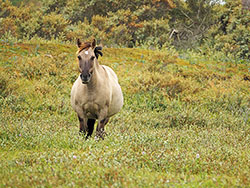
96 93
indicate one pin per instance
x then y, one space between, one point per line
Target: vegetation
231 35
186 118
184 123
203 25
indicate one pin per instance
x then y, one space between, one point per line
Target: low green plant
185 121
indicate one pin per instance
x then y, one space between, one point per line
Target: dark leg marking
91 123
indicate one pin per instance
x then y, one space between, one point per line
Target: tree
231 34
191 19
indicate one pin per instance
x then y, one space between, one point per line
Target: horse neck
95 77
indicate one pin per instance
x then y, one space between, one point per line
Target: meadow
185 121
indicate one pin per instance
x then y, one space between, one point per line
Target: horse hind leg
106 120
100 128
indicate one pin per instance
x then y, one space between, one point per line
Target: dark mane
98 51
85 45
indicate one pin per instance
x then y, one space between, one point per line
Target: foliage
204 25
7 25
231 34
154 33
191 19
107 21
77 10
53 26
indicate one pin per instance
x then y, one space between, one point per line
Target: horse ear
78 43
93 44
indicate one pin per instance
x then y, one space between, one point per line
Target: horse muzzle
85 78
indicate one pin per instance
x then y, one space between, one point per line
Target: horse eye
79 57
92 58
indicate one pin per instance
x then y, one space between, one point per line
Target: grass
185 123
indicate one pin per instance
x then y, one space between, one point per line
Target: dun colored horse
96 94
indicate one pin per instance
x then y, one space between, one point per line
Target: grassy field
185 122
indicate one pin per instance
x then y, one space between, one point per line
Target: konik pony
96 94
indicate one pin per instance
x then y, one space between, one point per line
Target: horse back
110 72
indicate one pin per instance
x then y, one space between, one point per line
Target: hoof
100 135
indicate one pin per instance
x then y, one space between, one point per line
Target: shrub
52 26
154 32
7 25
7 22
19 21
77 10
49 6
6 8
27 21
83 30
232 33
125 27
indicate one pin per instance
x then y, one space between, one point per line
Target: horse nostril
83 77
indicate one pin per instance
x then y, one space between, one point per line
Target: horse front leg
83 125
91 124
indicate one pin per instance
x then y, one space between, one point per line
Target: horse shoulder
77 93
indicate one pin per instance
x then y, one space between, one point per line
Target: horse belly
116 101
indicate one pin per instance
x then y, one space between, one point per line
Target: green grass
185 123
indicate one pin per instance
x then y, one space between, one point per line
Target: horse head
87 55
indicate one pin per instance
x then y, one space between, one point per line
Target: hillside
185 121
